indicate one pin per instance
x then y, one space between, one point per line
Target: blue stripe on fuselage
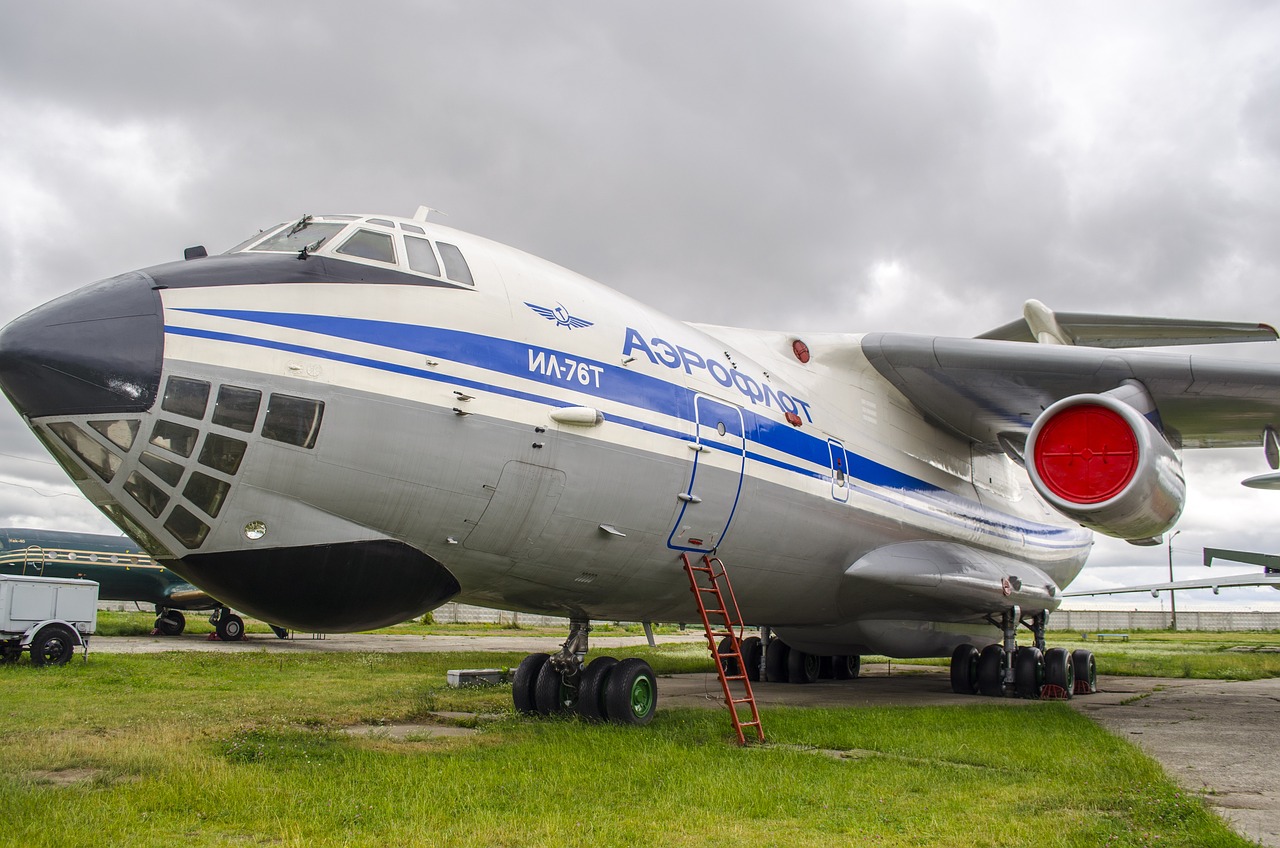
616 383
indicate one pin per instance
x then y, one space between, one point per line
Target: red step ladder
712 605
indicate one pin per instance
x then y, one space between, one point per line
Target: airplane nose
96 350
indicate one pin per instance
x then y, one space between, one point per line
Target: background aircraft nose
96 350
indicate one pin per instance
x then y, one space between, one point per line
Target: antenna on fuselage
424 211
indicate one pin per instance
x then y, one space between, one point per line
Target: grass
214 749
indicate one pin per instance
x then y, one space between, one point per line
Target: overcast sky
850 166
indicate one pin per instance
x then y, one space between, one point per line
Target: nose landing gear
623 692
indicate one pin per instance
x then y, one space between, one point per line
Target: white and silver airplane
347 420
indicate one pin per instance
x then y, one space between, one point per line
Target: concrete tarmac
1218 739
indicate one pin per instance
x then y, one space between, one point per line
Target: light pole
1173 606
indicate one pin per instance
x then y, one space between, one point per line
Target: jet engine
1100 461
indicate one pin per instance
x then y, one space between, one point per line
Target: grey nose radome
96 350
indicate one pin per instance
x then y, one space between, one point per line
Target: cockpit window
455 267
293 238
421 257
370 245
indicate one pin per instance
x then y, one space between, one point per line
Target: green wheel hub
642 695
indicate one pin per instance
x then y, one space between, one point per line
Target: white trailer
48 616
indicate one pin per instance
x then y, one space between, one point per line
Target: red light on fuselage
801 350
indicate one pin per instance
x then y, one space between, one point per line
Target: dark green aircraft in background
123 571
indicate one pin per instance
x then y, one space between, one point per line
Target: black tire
727 661
591 688
775 661
549 691
1028 672
991 671
847 667
802 667
54 645
171 623
964 670
631 693
1059 671
230 627
750 650
827 668
1086 670
526 674
10 650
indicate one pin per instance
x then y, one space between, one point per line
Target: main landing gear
1029 671
227 626
769 658
605 689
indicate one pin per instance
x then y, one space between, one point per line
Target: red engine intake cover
1086 454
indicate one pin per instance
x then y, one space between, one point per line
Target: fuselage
351 419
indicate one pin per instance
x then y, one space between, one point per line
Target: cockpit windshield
293 238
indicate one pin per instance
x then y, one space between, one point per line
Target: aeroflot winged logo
560 315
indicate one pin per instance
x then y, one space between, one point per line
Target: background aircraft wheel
550 691
1028 672
591 688
631 693
53 645
230 627
802 667
1086 672
847 667
775 661
171 623
991 671
1059 672
728 663
526 674
964 670
750 650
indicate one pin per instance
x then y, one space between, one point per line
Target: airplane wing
1224 582
994 387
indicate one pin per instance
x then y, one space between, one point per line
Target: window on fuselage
455 267
293 420
421 257
367 244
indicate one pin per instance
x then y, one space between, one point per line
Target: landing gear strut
169 622
624 692
228 626
1029 671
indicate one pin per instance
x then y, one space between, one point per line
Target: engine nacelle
1100 462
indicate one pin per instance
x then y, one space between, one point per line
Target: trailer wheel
10 650
53 645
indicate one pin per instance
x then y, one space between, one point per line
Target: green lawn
213 749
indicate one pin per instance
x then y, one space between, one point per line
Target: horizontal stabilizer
1041 324
1235 581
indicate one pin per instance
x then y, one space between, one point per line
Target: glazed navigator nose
96 350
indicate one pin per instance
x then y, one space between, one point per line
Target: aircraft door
839 471
711 495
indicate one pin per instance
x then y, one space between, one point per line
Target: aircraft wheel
1086 670
775 661
550 691
964 670
1059 672
802 667
991 671
53 645
230 627
591 688
847 667
827 668
750 650
526 674
631 693
1028 672
171 623
728 663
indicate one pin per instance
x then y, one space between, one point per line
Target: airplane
1270 576
347 420
123 571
